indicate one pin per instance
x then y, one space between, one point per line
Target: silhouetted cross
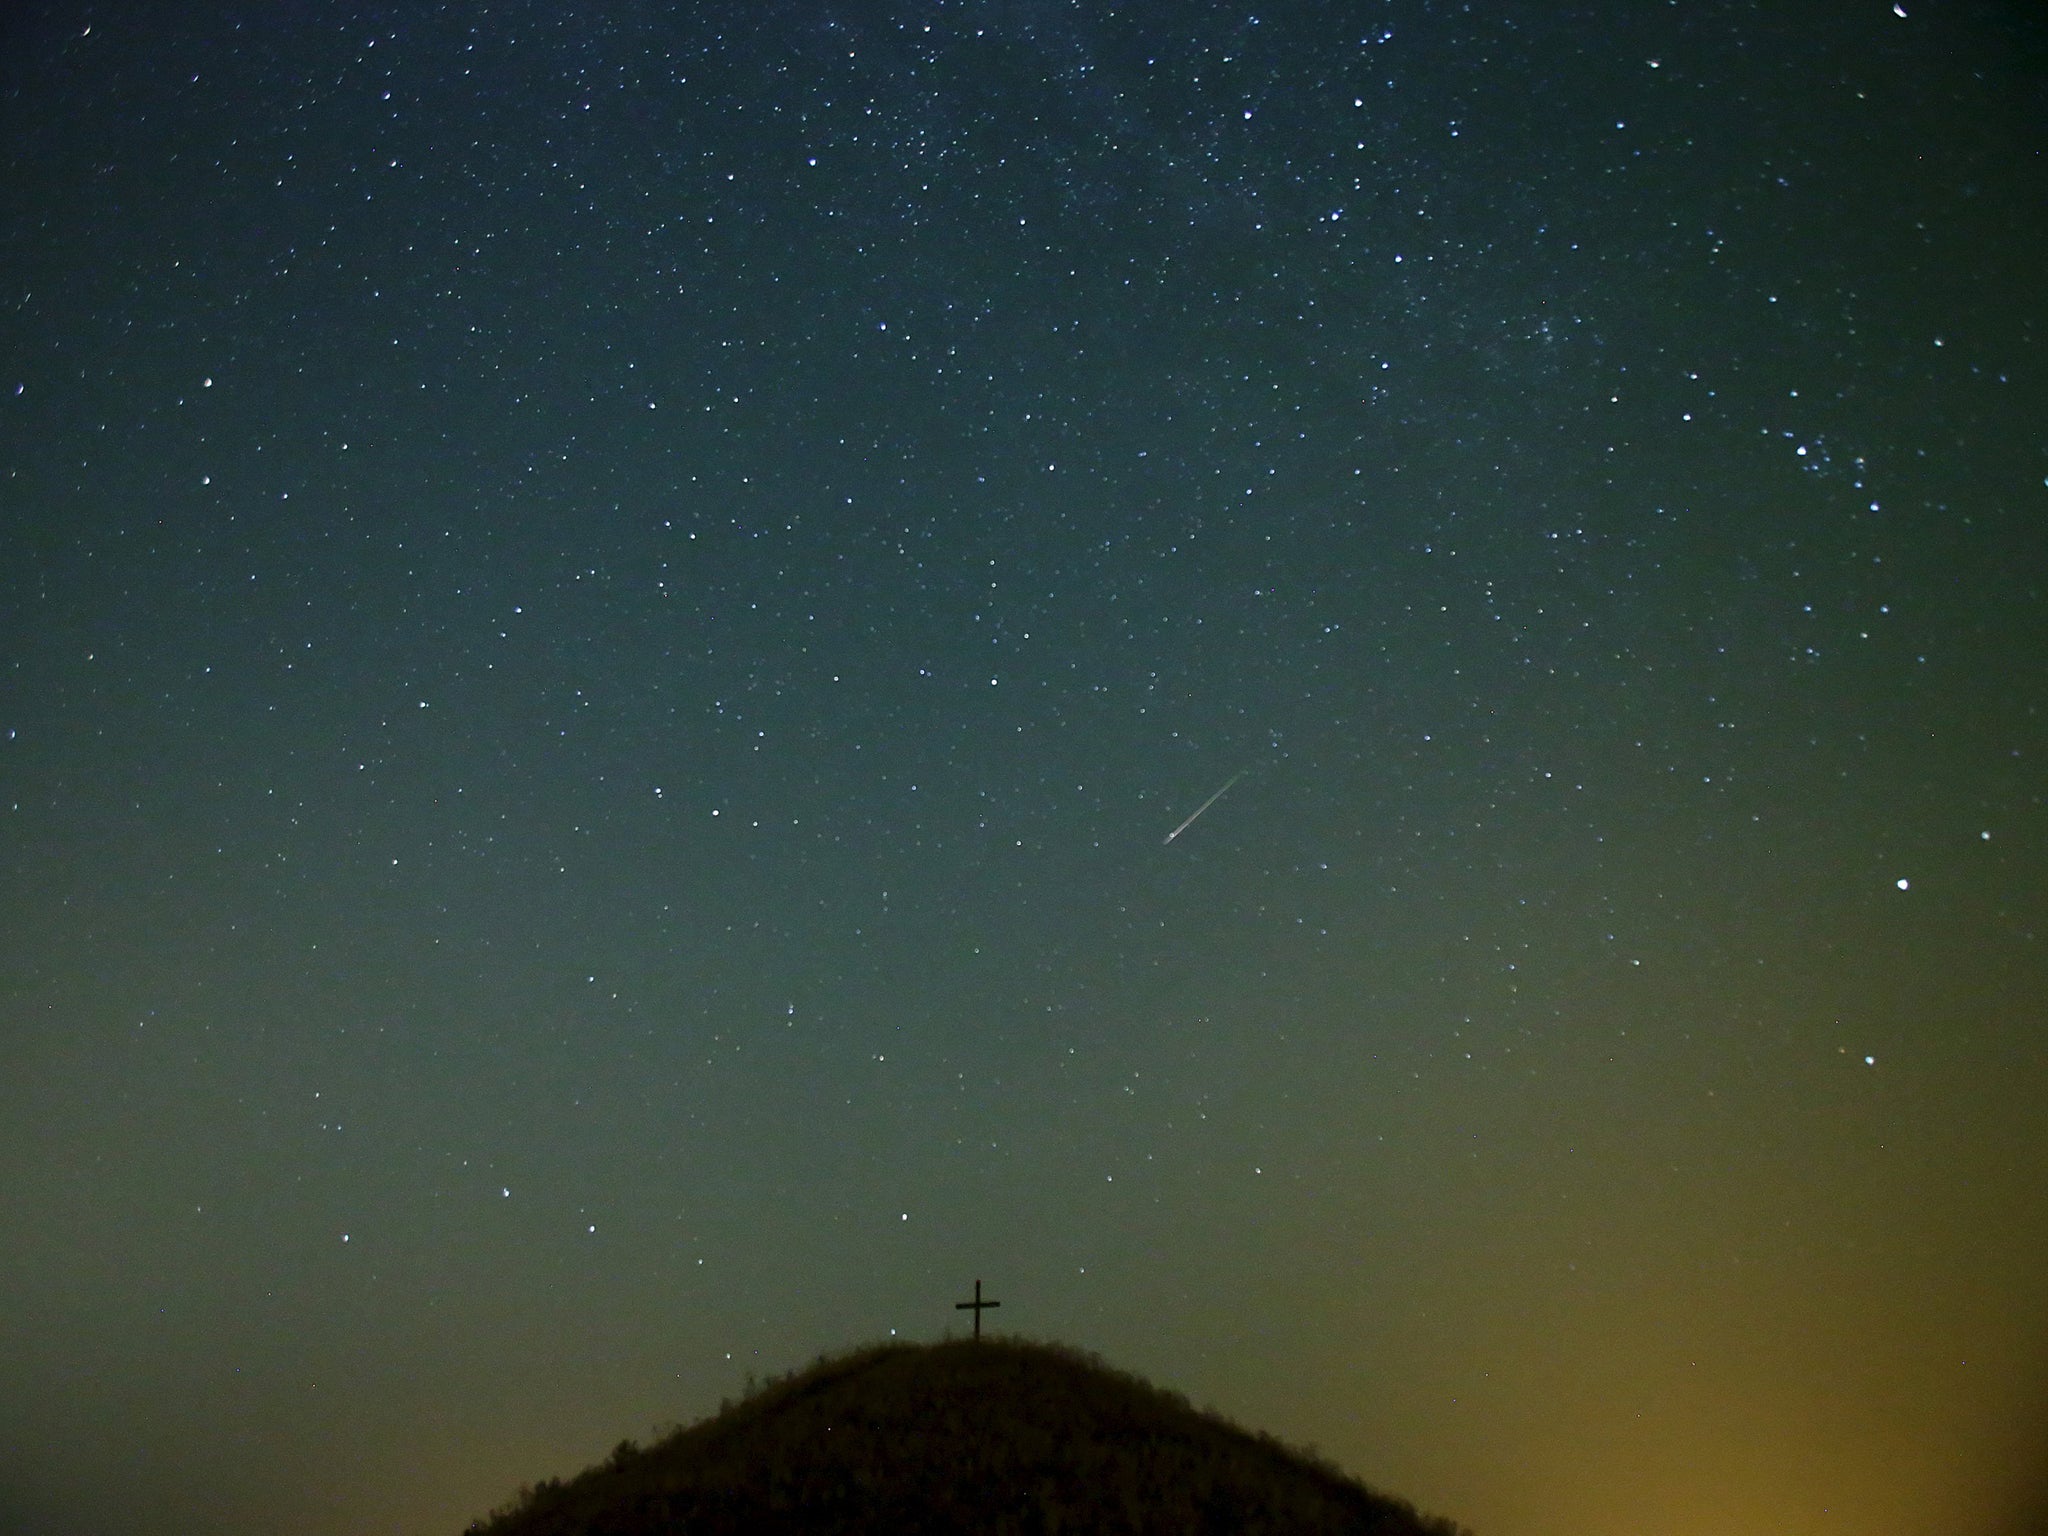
976 1307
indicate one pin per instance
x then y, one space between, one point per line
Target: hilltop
997 1436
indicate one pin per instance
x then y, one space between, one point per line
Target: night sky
605 610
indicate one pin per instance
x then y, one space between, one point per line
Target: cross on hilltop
977 1306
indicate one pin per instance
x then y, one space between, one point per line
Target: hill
991 1437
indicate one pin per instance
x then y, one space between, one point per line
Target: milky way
605 609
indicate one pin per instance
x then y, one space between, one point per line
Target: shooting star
1176 832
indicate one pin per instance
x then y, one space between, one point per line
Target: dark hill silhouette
988 1437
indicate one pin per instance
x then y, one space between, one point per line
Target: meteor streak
1176 832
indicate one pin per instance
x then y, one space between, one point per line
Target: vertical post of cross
976 1306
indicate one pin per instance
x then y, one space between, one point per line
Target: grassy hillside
996 1436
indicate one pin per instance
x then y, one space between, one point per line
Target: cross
976 1307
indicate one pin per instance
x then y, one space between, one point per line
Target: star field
606 612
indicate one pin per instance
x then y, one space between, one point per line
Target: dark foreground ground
996 1437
